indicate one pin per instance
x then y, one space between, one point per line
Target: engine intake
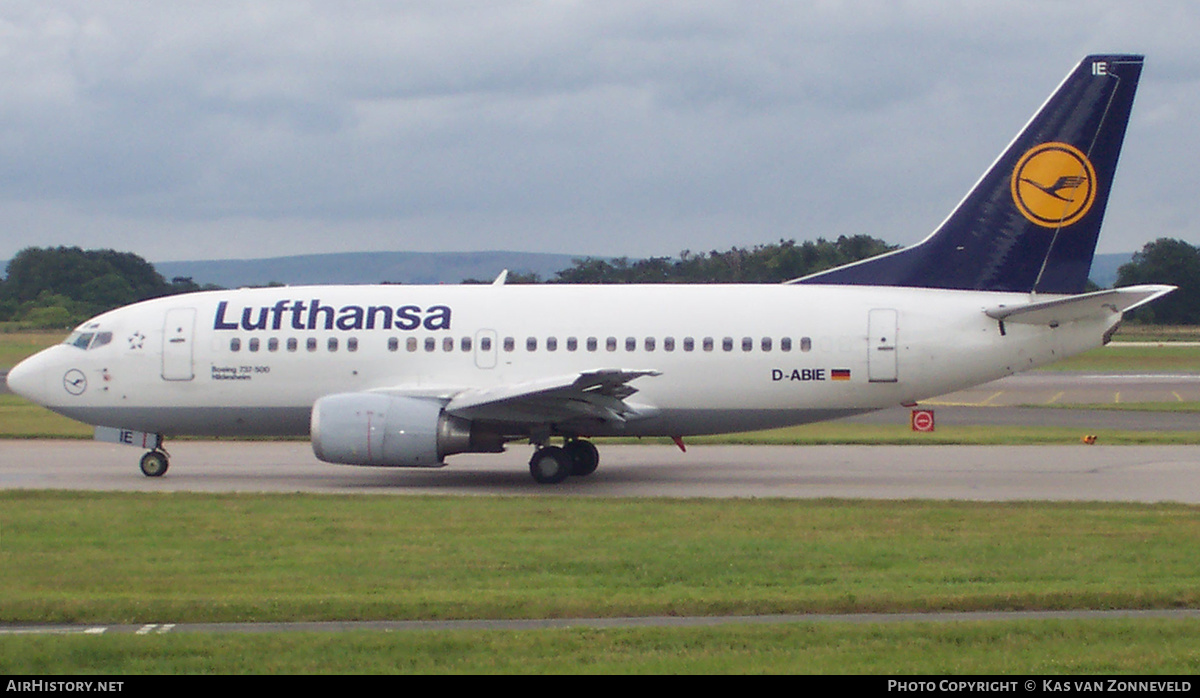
384 430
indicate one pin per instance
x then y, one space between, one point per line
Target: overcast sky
199 130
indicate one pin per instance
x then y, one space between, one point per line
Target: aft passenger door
178 331
881 346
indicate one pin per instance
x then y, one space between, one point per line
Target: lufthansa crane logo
75 382
1054 185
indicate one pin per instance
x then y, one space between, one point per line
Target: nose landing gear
155 463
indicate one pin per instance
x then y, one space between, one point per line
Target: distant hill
1104 268
426 268
423 268
366 268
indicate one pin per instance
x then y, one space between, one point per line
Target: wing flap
1087 305
591 395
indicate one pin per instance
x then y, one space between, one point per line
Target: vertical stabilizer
1032 221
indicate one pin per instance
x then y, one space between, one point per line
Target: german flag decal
839 374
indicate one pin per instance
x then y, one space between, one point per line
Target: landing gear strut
551 464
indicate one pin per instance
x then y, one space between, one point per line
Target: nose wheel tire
154 464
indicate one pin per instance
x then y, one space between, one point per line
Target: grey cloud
617 127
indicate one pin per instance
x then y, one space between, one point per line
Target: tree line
762 264
1166 261
60 287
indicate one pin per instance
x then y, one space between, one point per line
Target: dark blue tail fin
1031 223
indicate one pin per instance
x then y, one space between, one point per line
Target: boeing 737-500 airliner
408 375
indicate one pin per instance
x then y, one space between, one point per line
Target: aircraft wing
1085 305
588 396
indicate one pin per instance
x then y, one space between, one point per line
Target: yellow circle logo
1054 185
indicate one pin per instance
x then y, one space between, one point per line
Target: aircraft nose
28 379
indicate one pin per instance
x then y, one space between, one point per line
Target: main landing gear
551 464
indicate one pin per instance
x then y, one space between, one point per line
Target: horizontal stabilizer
1072 308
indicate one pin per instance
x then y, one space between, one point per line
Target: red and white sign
922 420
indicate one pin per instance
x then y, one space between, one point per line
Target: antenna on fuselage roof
501 278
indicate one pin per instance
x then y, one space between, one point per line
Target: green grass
15 346
1022 647
21 419
1126 359
1158 333
1184 407
119 557
155 558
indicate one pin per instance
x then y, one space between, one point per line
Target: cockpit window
80 339
88 340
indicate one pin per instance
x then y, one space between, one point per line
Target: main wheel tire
584 455
550 465
154 464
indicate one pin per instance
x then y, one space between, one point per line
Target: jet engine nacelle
374 429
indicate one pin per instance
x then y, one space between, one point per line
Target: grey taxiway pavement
992 473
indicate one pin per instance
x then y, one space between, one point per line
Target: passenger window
630 343
393 344
805 344
292 344
311 344
352 344
253 344
531 344
689 344
273 344
411 344
235 344
430 344
552 344
448 344
785 344
610 344
332 344
485 344
766 344
572 344
509 344
668 344
649 344
727 344
747 344
593 344
708 344
466 343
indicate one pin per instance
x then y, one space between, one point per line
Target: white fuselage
729 357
